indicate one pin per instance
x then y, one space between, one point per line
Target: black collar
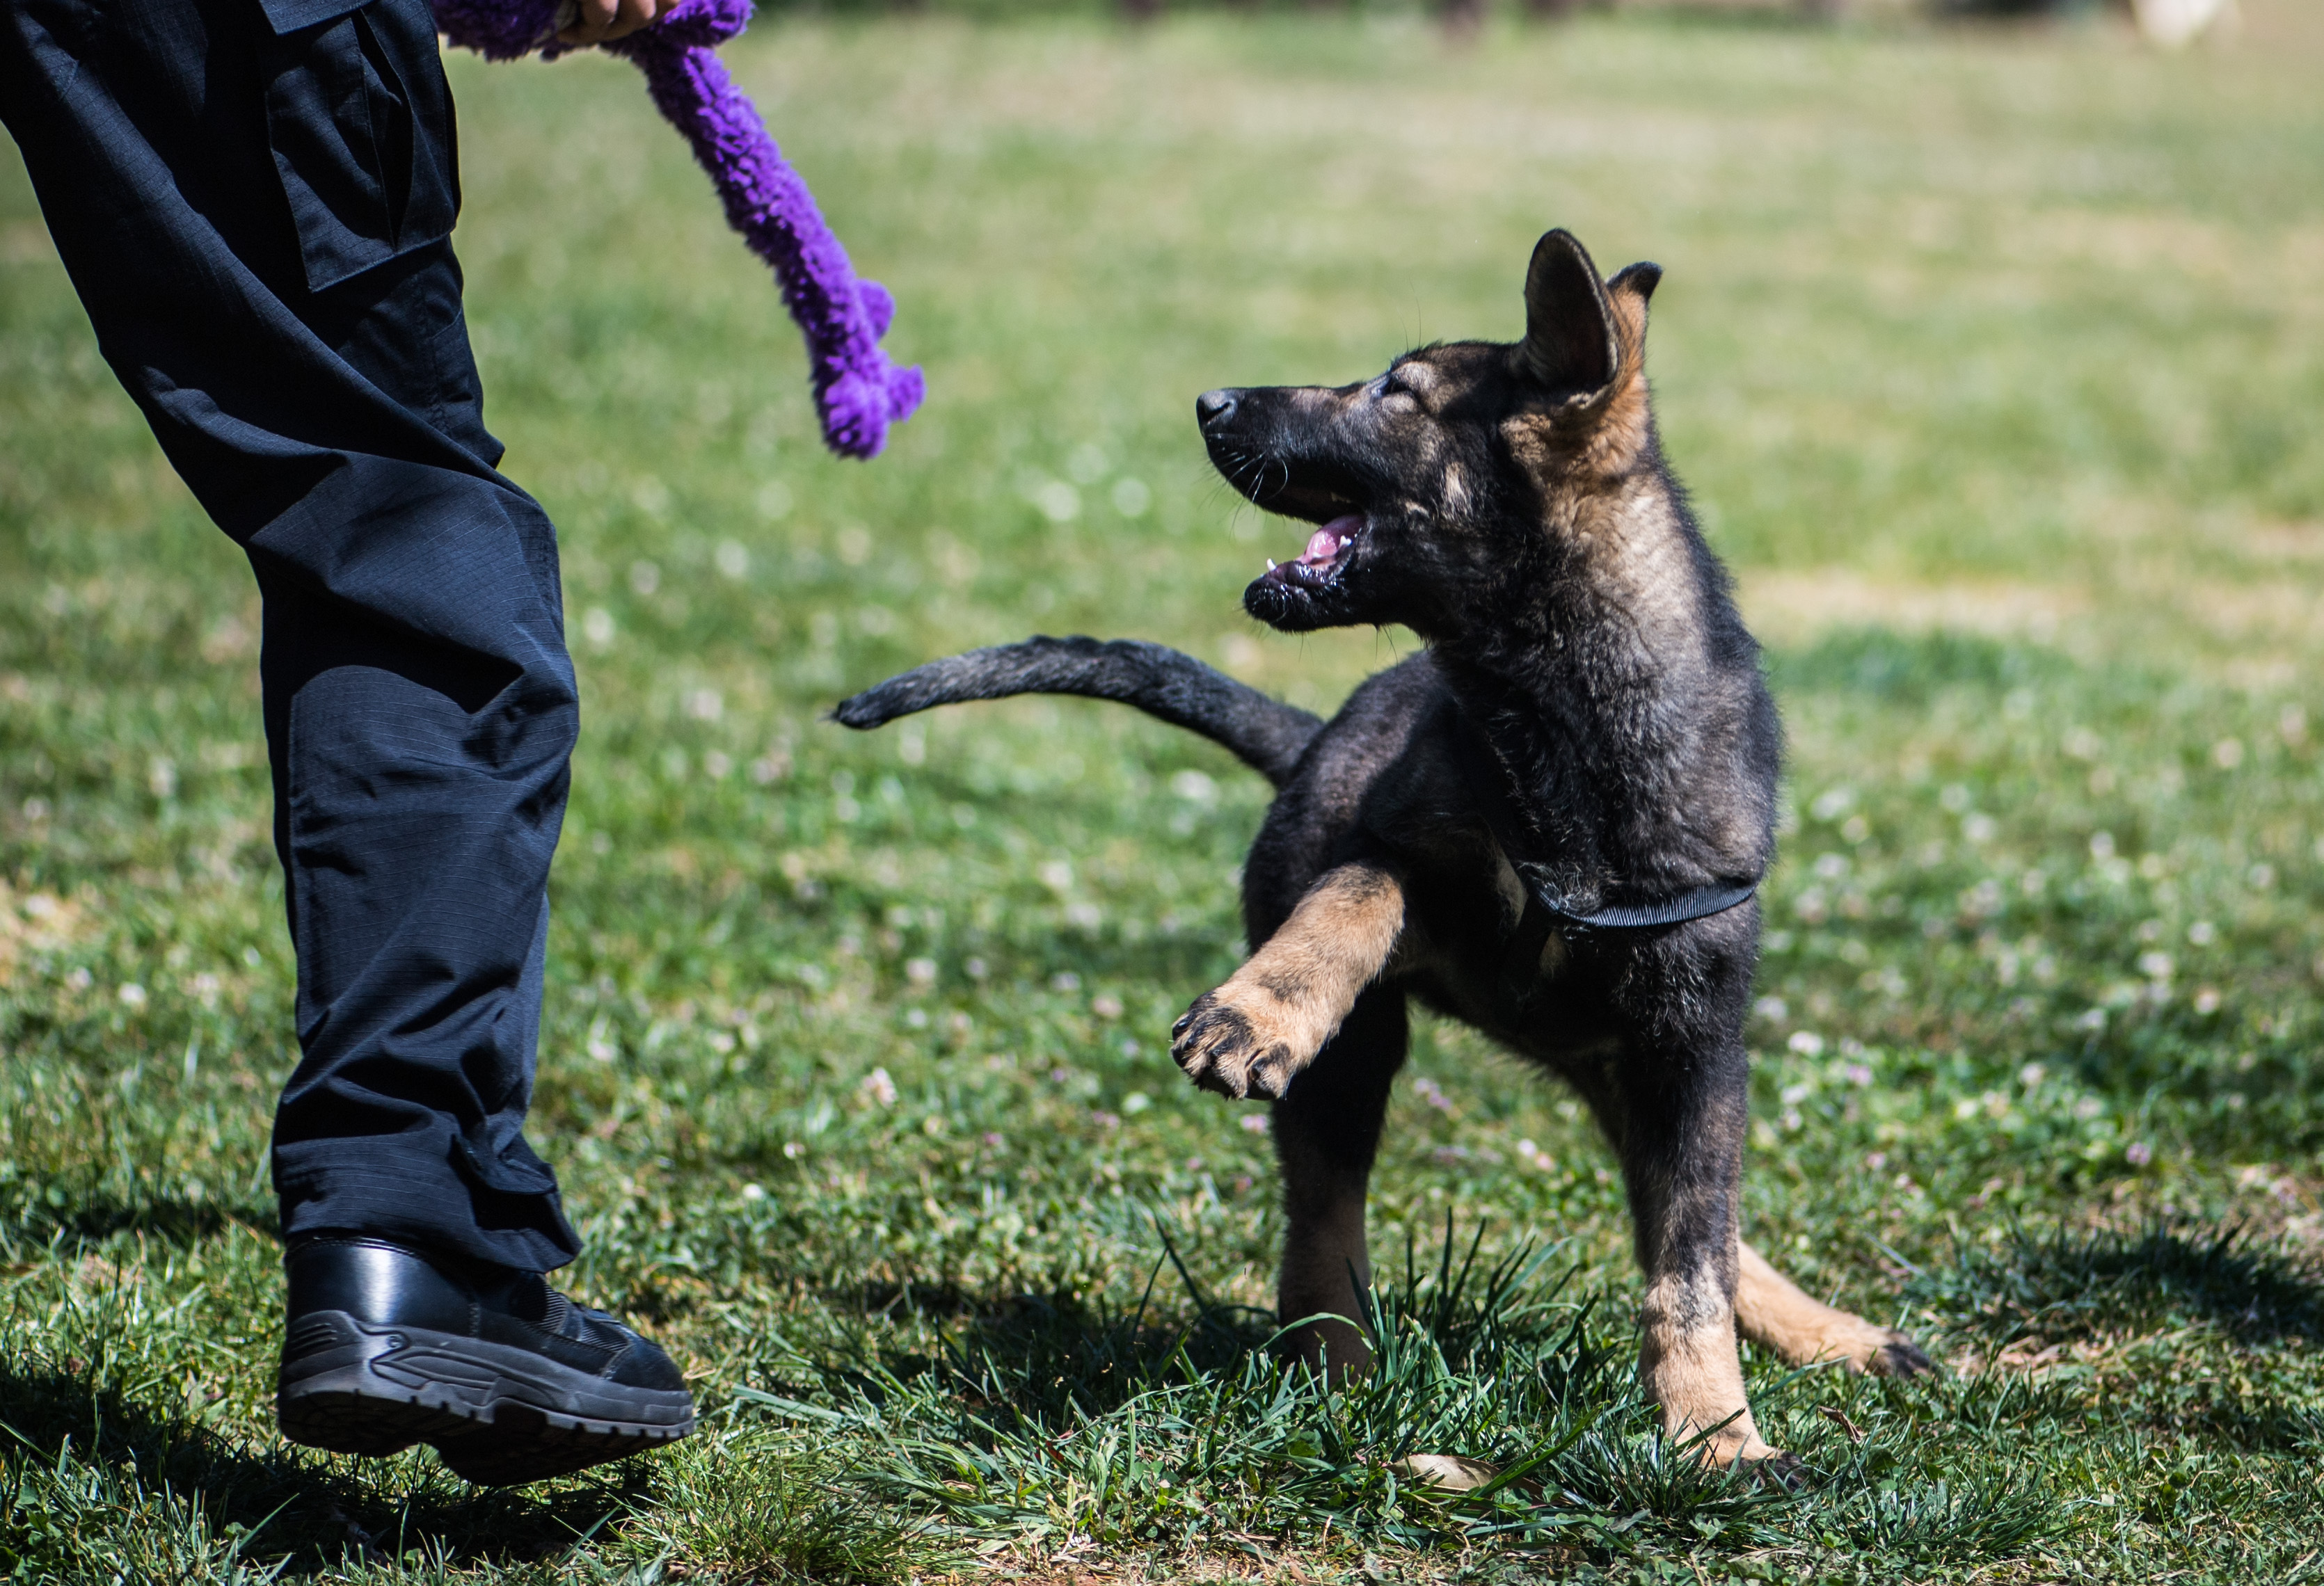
1546 906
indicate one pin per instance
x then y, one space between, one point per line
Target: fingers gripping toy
858 393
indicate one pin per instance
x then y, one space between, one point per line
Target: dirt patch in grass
36 922
1792 607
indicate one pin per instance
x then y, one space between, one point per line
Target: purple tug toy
857 390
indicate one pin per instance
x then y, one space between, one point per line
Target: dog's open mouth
1317 588
1329 551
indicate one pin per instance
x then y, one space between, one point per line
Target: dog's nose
1214 407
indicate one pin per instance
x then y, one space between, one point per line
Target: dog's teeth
1270 564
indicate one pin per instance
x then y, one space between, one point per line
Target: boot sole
498 1415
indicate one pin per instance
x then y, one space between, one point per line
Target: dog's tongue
1325 544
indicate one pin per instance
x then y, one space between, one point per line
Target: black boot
511 1381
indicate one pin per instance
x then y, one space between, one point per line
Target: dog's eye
1388 385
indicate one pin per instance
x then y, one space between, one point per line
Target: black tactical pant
255 199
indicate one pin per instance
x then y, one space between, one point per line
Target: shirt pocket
360 121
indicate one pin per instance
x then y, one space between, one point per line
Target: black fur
1266 734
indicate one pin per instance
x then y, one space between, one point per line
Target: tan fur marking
1554 955
1690 1369
1253 1034
1770 1310
1585 459
1643 566
1510 888
1621 422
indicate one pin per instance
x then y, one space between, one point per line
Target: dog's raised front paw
1223 1048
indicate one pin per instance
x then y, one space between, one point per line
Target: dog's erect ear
1569 342
1641 277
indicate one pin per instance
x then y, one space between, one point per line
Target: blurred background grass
1991 355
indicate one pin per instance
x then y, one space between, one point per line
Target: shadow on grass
1039 1402
2069 1284
1052 1359
1166 1422
1047 1360
2260 1425
179 1222
115 1474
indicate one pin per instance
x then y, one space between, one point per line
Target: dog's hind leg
1327 1131
1770 1310
1252 1035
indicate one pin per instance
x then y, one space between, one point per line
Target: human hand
600 21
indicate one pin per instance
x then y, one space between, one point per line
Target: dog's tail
1264 734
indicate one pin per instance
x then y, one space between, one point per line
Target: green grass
1994 359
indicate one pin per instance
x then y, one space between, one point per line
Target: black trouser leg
258 224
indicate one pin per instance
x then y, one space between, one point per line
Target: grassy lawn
1994 361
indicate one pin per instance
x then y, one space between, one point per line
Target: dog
1550 823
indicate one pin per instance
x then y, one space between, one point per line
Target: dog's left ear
1569 342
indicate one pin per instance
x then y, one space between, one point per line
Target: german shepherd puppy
1549 823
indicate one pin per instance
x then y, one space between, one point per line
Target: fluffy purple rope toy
858 393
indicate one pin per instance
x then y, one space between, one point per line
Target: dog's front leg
1251 1035
1327 1131
1682 1146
